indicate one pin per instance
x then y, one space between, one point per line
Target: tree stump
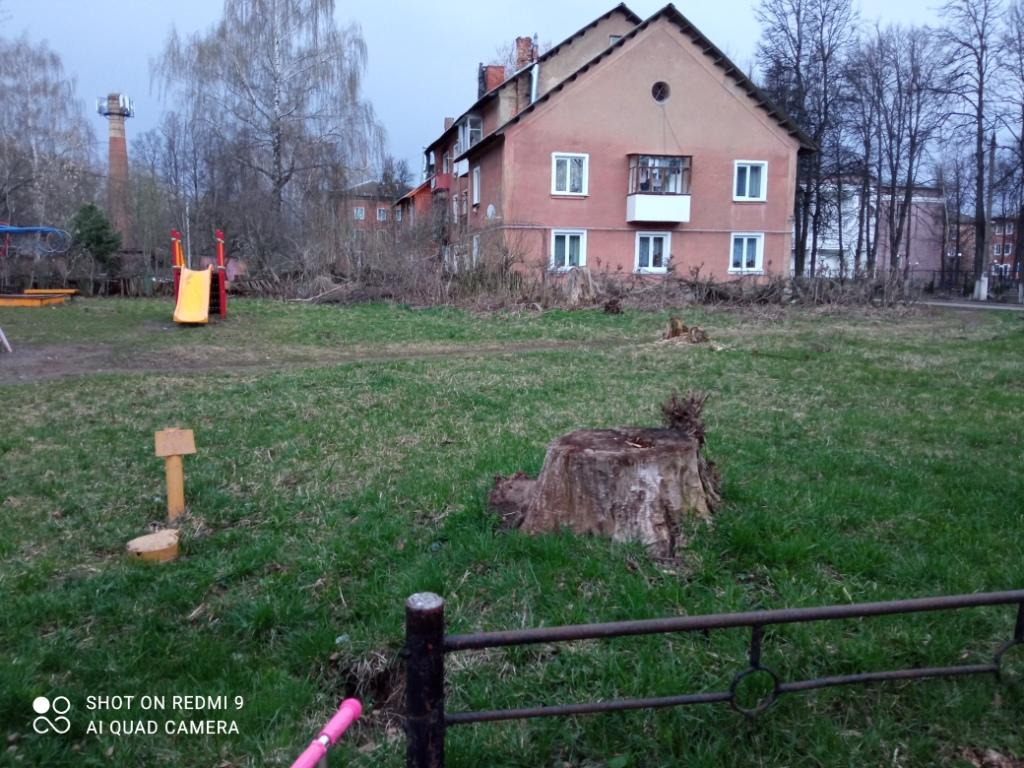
635 484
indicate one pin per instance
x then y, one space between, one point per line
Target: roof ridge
622 7
709 49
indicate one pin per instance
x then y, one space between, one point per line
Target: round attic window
660 91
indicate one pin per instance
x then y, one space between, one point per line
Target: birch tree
277 83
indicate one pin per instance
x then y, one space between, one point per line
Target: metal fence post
424 680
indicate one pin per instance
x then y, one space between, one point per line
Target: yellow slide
194 296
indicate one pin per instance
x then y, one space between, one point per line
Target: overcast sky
423 55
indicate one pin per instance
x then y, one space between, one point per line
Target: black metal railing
426 646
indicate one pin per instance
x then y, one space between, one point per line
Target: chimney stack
449 122
526 52
489 77
117 108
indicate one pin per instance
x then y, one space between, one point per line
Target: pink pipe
348 713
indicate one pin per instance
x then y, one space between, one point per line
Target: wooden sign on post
171 445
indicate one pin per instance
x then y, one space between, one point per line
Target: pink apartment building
631 146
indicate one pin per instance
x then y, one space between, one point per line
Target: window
1009 227
747 253
660 91
465 202
997 250
382 214
455 207
568 248
569 173
653 251
471 130
659 175
476 250
446 163
476 185
751 180
398 214
359 213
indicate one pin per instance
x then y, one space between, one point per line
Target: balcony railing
659 188
441 181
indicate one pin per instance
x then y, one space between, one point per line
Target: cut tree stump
159 547
637 484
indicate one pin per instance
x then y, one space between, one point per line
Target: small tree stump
159 547
626 484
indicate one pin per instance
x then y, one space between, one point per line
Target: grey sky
423 55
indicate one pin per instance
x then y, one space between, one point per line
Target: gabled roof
620 8
707 47
413 192
371 190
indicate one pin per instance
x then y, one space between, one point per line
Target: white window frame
476 185
359 213
997 249
666 254
583 249
382 213
398 213
555 157
1008 228
758 268
764 181
475 252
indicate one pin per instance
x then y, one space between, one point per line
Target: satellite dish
490 211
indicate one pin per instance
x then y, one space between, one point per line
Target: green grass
865 457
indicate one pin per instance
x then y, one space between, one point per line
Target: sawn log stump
626 484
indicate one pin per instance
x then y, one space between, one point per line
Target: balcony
440 182
659 189
641 207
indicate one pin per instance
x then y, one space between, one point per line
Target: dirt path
60 361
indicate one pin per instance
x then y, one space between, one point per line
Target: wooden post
172 444
424 681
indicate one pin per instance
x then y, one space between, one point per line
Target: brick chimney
116 108
489 77
526 52
449 122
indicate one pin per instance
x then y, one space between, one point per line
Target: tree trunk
626 484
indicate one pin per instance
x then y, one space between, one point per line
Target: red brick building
634 146
1002 250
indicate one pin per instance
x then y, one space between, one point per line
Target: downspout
534 77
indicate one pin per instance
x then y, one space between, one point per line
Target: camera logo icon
60 706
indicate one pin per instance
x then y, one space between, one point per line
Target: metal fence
1001 284
426 646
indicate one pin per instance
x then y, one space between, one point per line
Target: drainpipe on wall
534 77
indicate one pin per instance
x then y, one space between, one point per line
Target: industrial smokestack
117 107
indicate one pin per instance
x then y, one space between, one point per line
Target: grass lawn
345 455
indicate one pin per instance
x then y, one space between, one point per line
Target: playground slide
193 296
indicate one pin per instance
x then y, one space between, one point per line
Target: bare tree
46 143
801 52
272 92
969 40
910 115
1013 115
